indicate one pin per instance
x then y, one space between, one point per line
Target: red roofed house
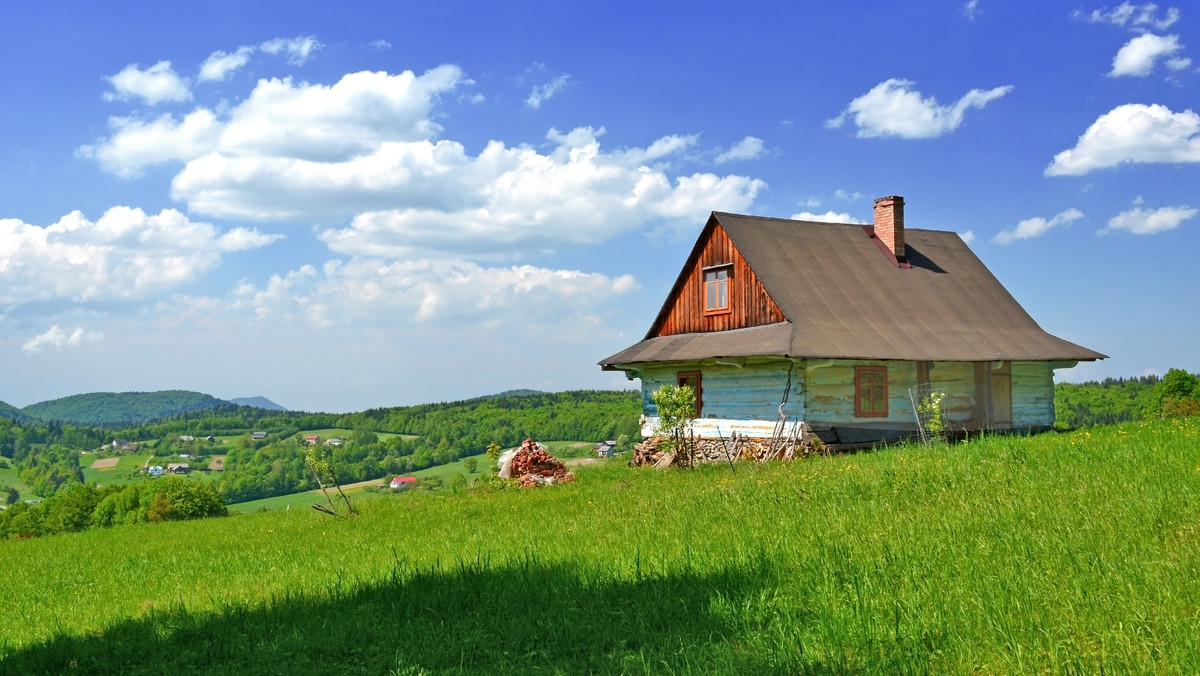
403 482
833 325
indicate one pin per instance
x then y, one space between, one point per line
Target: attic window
716 290
870 392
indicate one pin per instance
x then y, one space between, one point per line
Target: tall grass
1057 553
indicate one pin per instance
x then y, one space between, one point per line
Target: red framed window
716 290
870 392
692 380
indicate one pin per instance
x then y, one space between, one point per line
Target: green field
307 498
1072 553
8 477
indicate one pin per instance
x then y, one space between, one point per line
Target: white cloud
219 64
298 49
1149 221
379 45
431 292
1035 227
157 84
846 196
746 149
542 93
827 217
283 120
893 108
968 236
57 338
138 143
125 254
365 148
1139 56
971 10
1132 132
515 199
1137 17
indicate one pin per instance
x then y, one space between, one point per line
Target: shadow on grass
469 618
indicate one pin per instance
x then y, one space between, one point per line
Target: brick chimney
889 224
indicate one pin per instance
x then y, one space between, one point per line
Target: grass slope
1075 553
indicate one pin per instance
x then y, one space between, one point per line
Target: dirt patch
581 461
217 463
105 463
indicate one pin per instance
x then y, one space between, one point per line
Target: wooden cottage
841 327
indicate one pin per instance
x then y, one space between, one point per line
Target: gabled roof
844 297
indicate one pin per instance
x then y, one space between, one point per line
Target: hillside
13 413
257 402
115 409
1059 553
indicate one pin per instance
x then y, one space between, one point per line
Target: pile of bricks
533 465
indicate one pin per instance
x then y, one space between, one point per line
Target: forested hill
115 409
13 413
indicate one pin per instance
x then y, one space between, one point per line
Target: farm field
9 477
1075 553
121 473
306 499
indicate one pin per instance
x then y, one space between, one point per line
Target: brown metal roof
845 298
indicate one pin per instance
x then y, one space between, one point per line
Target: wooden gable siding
749 303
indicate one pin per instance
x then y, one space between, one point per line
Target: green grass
1074 553
307 498
9 477
123 473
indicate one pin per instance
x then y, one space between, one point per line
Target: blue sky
353 205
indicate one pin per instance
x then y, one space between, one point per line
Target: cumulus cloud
366 149
137 143
746 149
1132 132
1139 56
827 217
542 93
968 236
281 120
1036 227
219 65
893 108
125 254
57 338
157 84
971 10
298 49
428 291
520 200
1149 221
1129 15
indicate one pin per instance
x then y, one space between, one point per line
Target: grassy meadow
1060 553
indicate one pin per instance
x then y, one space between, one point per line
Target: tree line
1117 400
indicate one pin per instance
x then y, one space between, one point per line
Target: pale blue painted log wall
752 392
830 397
1033 394
823 392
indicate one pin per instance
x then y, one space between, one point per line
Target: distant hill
13 413
109 409
257 402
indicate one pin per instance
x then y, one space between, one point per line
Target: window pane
710 302
723 294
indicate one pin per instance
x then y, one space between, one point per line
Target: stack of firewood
533 465
648 453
